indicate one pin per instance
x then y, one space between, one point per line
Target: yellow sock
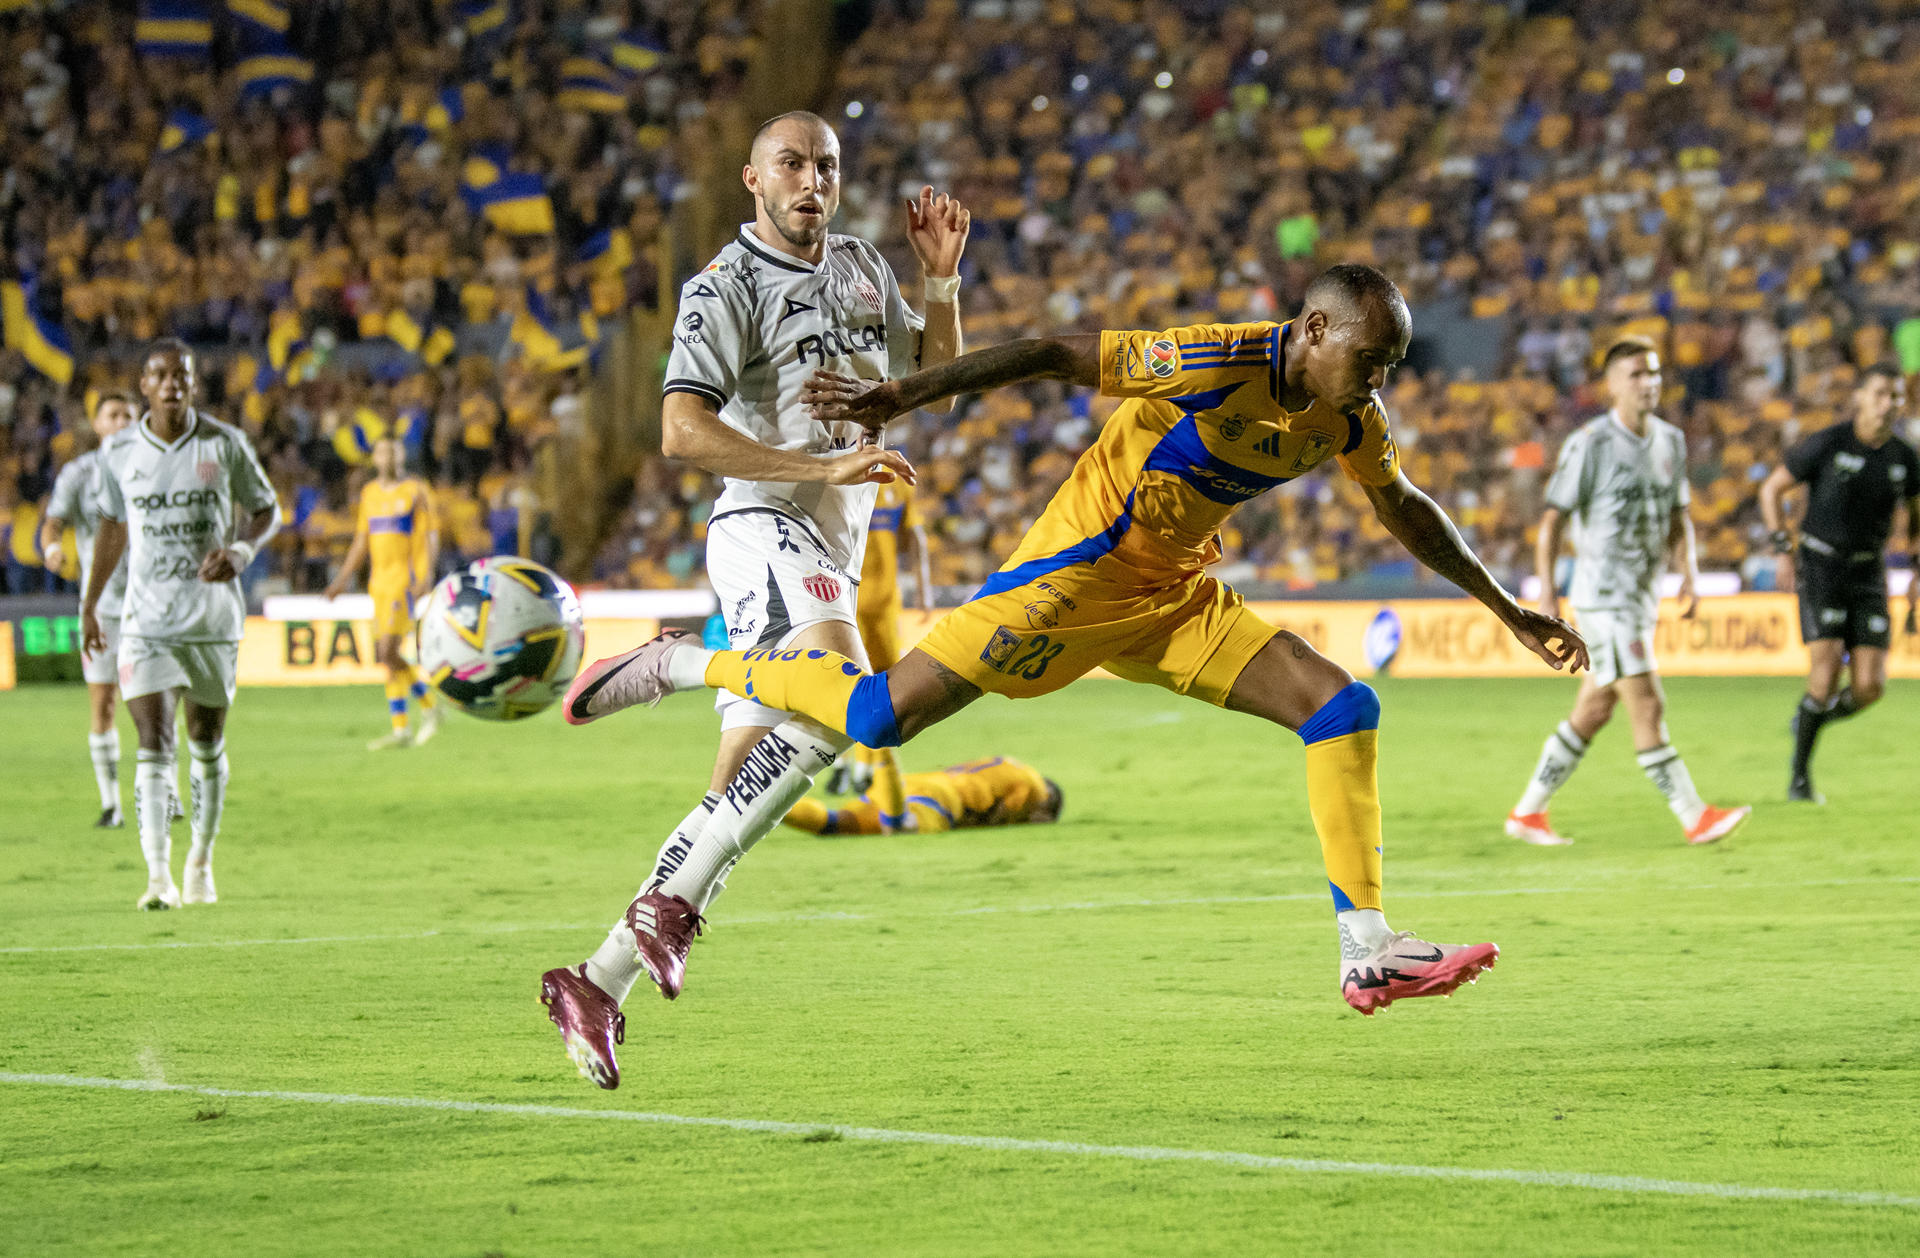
397 703
1343 793
889 790
823 685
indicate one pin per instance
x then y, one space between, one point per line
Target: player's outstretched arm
108 545
693 430
937 229
1424 529
829 396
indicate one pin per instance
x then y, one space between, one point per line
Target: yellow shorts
1189 634
392 611
879 618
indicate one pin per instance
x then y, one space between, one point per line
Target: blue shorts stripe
1085 551
932 803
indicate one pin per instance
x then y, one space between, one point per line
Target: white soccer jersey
753 326
178 502
75 500
1621 491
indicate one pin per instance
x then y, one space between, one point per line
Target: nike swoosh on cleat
579 705
1408 956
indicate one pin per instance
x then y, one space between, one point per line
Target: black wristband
1782 542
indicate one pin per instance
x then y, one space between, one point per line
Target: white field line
1069 907
1633 1184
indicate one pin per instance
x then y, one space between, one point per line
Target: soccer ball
502 638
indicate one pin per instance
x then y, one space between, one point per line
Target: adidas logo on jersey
1268 445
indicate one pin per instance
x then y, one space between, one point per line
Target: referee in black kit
1857 474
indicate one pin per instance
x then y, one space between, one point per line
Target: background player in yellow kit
400 532
997 792
894 529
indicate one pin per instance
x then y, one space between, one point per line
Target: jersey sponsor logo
1232 426
179 529
1160 358
1388 455
692 321
177 498
1319 446
1224 483
840 343
792 308
1042 614
1847 463
821 586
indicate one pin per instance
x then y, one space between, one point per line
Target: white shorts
103 669
774 578
204 670
1619 642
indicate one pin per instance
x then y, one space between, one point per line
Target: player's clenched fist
218 566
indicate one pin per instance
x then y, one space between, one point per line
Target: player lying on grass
997 792
1113 574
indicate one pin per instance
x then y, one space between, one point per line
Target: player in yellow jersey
894 528
399 531
997 792
1114 574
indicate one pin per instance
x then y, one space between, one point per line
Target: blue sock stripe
1355 708
1341 900
870 713
419 690
397 706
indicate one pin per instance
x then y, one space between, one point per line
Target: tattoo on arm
1072 358
1295 643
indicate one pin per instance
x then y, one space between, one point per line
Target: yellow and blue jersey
893 513
397 520
1202 431
999 791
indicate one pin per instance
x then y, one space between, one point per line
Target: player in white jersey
1622 479
74 505
785 542
172 483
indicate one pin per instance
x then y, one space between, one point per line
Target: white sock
207 778
614 966
687 667
1667 771
777 772
1558 759
105 749
1361 931
152 802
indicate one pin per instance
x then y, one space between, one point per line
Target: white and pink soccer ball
501 639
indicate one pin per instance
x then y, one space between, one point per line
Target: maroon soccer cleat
620 681
590 1023
663 929
1404 966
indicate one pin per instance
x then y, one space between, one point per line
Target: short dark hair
1626 347
1056 797
115 395
792 115
1352 284
168 345
1890 370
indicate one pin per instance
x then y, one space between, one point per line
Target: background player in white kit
788 533
172 483
73 503
1623 479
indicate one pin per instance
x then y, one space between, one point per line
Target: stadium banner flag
268 15
41 341
183 128
175 28
590 86
340 652
483 18
263 73
515 203
635 53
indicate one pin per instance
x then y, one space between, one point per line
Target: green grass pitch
1156 972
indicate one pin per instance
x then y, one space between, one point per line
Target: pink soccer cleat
620 681
1717 823
1404 966
664 927
590 1023
1534 828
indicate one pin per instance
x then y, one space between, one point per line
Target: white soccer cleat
1404 966
429 725
1534 828
621 681
160 894
199 888
388 742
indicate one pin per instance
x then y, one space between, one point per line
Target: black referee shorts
1844 599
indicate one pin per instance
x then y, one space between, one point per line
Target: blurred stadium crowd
426 244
